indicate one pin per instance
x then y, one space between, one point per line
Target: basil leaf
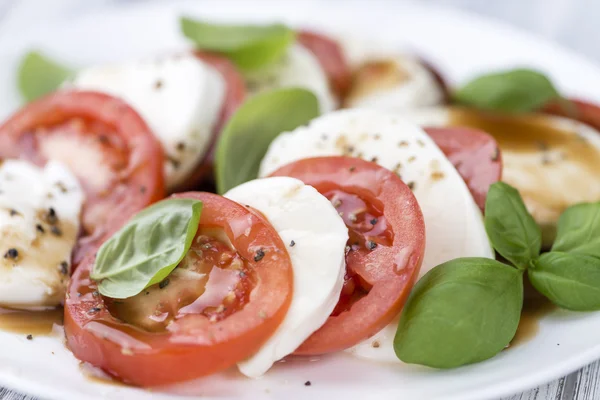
578 230
461 312
38 75
249 46
570 281
248 134
147 248
518 90
511 229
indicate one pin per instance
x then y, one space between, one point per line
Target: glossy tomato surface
384 252
103 142
241 289
474 153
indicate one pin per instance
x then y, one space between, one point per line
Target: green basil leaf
249 46
461 312
570 281
578 230
147 248
248 134
38 75
518 90
511 229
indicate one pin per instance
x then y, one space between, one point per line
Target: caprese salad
375 229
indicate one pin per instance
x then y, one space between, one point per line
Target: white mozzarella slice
180 98
39 224
316 238
552 161
386 78
453 223
394 83
298 68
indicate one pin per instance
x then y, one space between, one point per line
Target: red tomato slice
105 144
384 252
582 111
475 155
331 58
176 332
234 97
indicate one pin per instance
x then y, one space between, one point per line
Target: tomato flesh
104 143
384 252
475 155
198 329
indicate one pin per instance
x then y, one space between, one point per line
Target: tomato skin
474 153
234 97
388 270
192 346
331 58
139 183
582 111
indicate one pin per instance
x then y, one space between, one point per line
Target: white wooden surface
573 23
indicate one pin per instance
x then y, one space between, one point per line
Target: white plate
461 45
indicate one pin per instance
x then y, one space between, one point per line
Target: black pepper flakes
371 245
352 169
175 163
411 185
51 217
292 243
180 146
103 139
56 231
307 383
14 212
260 254
143 189
29 337
158 84
164 283
64 268
374 159
374 221
40 228
12 254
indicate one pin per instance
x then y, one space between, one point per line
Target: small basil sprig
248 134
249 46
442 325
468 309
146 250
518 90
511 229
38 75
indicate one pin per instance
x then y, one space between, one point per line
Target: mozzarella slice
386 78
298 68
394 83
39 224
552 161
180 98
453 222
316 237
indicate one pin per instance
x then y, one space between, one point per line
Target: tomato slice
580 110
180 331
474 153
384 252
331 58
104 142
234 97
